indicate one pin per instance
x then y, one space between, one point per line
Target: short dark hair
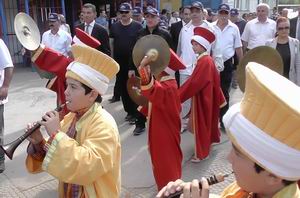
89 5
258 169
87 90
186 7
164 11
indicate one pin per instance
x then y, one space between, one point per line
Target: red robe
52 61
164 129
203 87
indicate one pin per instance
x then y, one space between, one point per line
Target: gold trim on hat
95 59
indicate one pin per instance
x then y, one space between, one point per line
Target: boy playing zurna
83 151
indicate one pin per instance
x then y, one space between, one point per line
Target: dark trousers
117 87
2 157
226 77
128 105
177 77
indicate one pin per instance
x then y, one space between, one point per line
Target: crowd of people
191 94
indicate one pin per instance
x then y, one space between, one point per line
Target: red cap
84 38
175 62
204 37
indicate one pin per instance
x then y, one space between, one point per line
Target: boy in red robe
52 61
204 88
163 120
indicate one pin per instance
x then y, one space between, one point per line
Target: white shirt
65 27
5 61
185 49
257 33
91 26
297 28
229 39
174 20
61 41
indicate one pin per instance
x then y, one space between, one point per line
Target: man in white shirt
63 24
295 26
186 53
55 38
259 30
228 35
185 14
6 72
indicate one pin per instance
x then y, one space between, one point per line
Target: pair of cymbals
264 55
27 31
143 47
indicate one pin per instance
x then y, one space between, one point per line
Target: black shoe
129 117
132 121
222 127
138 130
114 99
2 166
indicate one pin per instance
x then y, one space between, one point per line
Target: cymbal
134 91
148 43
27 31
264 55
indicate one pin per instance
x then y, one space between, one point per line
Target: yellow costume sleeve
83 163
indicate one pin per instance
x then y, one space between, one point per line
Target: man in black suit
293 26
94 29
185 13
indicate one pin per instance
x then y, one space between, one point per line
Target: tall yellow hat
266 124
92 68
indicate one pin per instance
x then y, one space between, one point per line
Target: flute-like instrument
10 148
211 180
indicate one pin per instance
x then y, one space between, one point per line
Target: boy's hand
190 189
145 74
51 122
131 73
171 188
36 137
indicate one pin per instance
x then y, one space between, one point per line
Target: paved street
29 100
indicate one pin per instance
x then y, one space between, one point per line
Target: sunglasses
124 12
223 12
283 28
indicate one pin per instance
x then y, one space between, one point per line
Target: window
242 4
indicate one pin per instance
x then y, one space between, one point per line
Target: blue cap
223 7
152 11
137 11
53 17
234 12
210 12
125 7
197 4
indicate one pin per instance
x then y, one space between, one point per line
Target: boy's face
75 93
198 49
246 176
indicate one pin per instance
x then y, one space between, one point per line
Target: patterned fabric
74 190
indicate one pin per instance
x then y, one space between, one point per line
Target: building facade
40 9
